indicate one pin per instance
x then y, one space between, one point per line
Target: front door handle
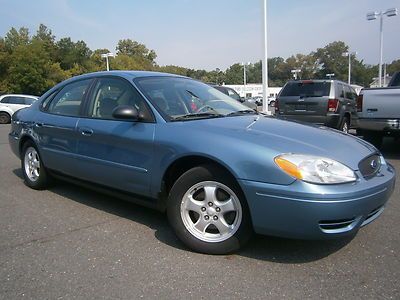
86 131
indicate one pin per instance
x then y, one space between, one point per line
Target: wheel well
180 166
24 139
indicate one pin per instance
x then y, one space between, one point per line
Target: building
253 90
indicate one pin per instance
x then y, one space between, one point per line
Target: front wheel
208 212
34 172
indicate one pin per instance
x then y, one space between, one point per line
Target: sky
210 34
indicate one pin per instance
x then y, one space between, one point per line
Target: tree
15 38
135 49
70 53
31 70
234 74
331 60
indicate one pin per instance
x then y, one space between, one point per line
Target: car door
55 126
112 152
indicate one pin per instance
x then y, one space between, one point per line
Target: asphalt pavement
71 243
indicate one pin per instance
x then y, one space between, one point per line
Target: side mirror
126 112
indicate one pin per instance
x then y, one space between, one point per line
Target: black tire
345 125
43 179
208 174
5 118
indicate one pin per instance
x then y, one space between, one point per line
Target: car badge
374 164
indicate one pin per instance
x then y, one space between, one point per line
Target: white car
10 103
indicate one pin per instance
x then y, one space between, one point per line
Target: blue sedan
220 170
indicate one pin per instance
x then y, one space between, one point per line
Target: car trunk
305 98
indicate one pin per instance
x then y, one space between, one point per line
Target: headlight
315 169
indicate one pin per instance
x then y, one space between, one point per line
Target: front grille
370 165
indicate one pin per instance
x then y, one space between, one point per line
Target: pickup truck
378 112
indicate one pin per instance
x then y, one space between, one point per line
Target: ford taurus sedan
219 170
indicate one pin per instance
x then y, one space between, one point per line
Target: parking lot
69 242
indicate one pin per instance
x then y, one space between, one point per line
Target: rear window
306 89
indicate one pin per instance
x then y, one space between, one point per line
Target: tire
345 125
208 211
5 118
35 174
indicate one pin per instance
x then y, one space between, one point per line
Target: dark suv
327 102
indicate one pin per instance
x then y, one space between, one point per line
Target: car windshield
306 89
183 98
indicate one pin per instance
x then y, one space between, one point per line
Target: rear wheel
5 118
345 126
208 212
35 174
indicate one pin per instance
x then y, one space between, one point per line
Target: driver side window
109 93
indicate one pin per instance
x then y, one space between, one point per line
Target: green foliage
33 64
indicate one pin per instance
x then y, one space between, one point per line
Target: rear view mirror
126 112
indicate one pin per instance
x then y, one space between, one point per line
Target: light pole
295 73
349 54
244 77
265 61
330 75
373 16
106 56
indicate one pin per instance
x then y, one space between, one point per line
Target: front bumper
309 211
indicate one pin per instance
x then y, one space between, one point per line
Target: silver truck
378 112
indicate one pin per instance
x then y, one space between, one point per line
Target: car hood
280 136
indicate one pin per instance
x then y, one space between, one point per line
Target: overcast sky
209 34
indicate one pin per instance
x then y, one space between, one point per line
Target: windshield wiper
197 116
242 112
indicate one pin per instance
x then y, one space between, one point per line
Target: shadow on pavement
260 247
391 148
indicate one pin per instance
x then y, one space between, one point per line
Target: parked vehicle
379 111
326 102
10 103
233 94
220 170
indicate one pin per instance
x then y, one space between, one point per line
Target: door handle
39 125
86 132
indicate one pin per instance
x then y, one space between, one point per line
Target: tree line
33 64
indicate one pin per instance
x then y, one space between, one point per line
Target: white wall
253 89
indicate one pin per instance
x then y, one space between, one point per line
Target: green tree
15 38
135 49
31 70
70 53
331 60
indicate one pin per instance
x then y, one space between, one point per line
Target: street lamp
349 54
295 73
373 16
244 77
330 75
265 60
106 56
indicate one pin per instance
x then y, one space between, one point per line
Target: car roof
126 74
19 95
